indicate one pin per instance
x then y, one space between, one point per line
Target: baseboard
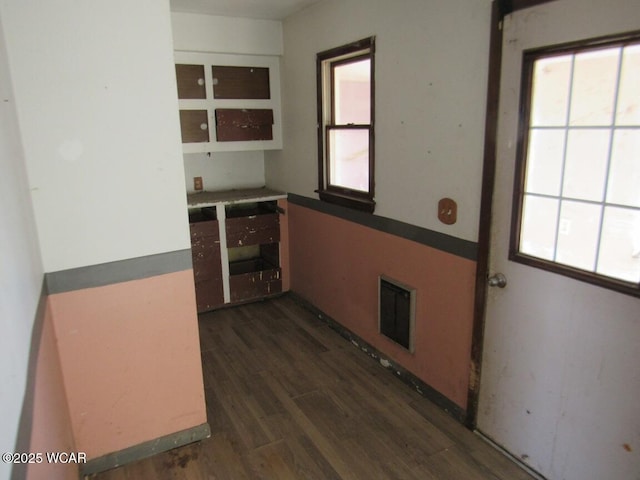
25 426
145 450
399 371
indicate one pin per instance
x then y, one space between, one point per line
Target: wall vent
396 311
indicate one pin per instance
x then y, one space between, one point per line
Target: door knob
498 280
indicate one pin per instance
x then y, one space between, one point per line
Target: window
578 180
345 125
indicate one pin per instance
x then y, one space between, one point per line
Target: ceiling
265 9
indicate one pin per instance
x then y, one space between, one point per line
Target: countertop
243 195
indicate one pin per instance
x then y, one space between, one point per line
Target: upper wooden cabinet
228 102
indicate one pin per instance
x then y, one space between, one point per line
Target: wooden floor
288 398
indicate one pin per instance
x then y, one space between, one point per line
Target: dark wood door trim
499 9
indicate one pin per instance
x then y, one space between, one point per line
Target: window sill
350 201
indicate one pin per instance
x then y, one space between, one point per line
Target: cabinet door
194 125
240 82
209 294
191 84
207 266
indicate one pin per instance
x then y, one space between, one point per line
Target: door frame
499 9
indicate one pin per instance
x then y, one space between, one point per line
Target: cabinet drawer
209 294
207 231
252 279
205 251
237 125
253 230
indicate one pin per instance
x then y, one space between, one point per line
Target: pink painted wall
51 424
335 265
130 357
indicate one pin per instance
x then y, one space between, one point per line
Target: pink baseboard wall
335 264
51 425
130 357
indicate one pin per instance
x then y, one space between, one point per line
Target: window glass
550 87
586 163
628 112
624 174
579 201
578 234
544 168
620 245
349 154
594 84
352 93
539 222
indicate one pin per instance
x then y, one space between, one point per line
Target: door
560 384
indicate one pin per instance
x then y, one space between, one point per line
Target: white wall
244 36
95 93
209 33
20 266
225 170
431 73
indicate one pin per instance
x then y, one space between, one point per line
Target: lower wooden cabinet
245 266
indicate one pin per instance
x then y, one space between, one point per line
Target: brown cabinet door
240 82
209 294
194 125
190 79
207 267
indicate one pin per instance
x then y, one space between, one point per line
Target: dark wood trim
346 200
509 6
486 210
524 106
363 201
25 424
499 9
363 44
320 121
620 286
